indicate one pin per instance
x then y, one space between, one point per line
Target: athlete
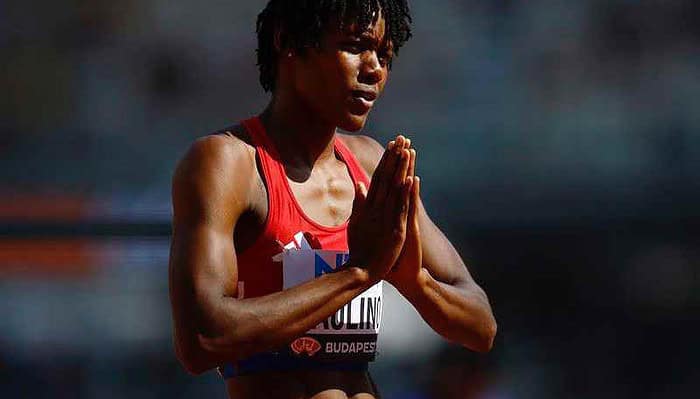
284 229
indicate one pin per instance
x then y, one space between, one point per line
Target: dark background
559 145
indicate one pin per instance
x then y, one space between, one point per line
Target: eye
353 47
385 58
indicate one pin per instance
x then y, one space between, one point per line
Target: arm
441 288
211 189
430 272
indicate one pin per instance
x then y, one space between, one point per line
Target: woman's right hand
377 226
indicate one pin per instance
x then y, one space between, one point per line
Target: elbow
198 352
192 367
486 336
189 358
189 363
488 328
478 338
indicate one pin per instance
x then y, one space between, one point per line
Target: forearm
237 328
461 314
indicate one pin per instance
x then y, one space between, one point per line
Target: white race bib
350 333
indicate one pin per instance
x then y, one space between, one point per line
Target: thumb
360 197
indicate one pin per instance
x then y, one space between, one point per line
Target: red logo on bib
306 345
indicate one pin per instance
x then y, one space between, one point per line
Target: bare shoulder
219 154
367 150
216 168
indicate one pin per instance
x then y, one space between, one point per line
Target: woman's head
333 55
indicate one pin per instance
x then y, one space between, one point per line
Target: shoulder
367 150
218 153
217 167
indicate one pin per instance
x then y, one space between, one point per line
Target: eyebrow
366 36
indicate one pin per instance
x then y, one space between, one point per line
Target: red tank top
258 273
293 249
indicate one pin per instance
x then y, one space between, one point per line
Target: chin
353 123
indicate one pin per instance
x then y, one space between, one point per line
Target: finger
415 204
412 163
402 168
404 204
400 142
380 171
413 207
360 197
388 151
386 175
393 201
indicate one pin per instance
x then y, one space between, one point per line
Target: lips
362 101
369 96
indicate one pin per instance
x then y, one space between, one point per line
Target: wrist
359 274
416 288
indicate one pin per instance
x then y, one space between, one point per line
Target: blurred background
559 145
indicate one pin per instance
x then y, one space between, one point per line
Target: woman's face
343 77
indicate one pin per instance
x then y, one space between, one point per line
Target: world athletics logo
305 345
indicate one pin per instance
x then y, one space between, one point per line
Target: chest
324 194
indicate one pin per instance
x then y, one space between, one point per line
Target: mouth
364 97
367 95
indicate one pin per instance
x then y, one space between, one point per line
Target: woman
281 241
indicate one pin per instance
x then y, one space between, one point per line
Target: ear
277 39
279 42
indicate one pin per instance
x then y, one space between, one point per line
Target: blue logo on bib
322 267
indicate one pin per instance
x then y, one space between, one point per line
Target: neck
300 136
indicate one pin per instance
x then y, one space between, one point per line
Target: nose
371 71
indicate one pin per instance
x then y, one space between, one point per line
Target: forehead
375 30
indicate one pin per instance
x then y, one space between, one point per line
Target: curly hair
303 23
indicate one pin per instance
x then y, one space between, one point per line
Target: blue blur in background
558 142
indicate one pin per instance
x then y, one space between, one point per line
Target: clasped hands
383 232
